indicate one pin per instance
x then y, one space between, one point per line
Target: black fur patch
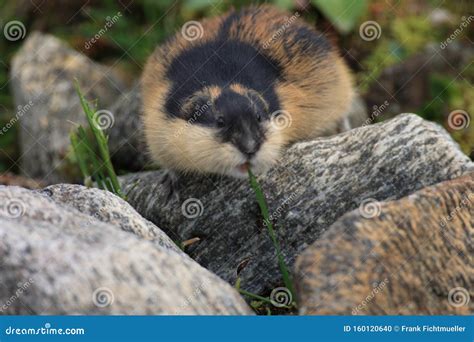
220 63
241 124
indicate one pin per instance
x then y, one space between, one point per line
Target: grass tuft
92 153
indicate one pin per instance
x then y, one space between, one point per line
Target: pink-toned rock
412 256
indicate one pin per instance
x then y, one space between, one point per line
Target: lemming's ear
257 100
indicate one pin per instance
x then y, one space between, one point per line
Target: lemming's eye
259 117
220 121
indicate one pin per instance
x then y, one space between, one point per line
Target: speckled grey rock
107 207
413 256
313 185
42 77
55 260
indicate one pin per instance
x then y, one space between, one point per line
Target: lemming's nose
249 148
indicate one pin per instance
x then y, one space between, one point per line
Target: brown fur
315 100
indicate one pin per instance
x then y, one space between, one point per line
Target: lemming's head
228 130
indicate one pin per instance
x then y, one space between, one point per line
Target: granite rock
42 76
57 260
106 207
413 256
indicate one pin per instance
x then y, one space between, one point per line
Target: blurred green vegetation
407 27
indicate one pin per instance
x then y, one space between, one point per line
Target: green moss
385 54
447 95
400 39
412 33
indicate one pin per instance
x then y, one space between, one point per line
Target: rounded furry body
252 82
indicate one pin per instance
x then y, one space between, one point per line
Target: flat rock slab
56 260
313 185
413 256
42 76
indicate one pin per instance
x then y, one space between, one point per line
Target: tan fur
319 113
244 91
212 93
315 101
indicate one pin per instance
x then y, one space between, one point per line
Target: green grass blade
76 146
255 296
262 203
104 172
